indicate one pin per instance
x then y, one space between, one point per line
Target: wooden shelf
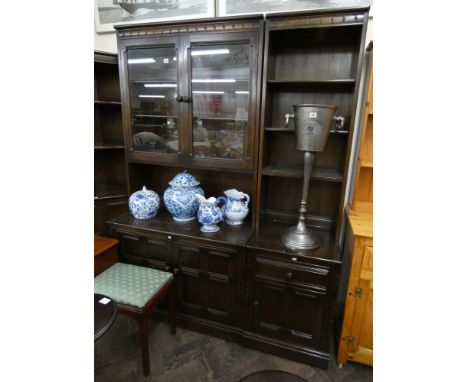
361 219
153 116
108 146
110 103
367 164
290 130
308 82
107 191
297 171
213 118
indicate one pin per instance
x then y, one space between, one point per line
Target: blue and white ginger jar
180 200
144 204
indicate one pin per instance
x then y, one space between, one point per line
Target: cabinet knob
294 259
186 99
175 271
167 268
169 237
179 98
289 275
256 303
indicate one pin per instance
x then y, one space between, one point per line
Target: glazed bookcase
241 283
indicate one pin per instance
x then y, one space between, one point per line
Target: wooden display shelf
297 171
309 82
106 191
108 146
110 103
361 220
367 163
292 130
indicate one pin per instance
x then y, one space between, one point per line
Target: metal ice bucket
313 123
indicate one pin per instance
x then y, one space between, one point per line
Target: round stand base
183 219
208 228
296 238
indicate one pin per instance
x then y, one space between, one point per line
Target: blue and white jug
180 200
236 206
209 214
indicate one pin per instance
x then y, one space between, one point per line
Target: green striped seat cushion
130 284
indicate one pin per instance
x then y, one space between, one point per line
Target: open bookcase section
107 126
109 170
307 65
106 82
280 151
322 201
213 183
281 101
314 54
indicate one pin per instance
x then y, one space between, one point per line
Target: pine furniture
210 96
356 340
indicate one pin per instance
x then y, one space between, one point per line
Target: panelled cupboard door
357 333
207 282
289 314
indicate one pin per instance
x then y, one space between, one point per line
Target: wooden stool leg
144 344
172 312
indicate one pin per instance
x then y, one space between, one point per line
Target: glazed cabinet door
152 104
223 94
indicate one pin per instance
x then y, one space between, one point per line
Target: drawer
311 274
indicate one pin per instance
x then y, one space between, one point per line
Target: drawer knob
294 259
256 303
167 268
176 270
169 237
289 275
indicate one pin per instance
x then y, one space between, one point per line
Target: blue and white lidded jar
144 204
180 200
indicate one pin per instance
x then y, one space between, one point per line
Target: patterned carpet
194 357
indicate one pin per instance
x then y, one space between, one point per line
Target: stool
137 291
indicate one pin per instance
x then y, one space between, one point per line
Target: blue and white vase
144 204
209 214
236 206
180 200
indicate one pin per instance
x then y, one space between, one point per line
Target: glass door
220 89
153 88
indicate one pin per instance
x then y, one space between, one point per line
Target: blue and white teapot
236 206
180 200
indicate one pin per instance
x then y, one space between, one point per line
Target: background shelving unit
110 174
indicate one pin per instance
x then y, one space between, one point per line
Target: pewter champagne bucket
313 123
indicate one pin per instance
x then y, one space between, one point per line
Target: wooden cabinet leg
144 345
172 307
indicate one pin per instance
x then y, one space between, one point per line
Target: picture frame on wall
244 7
108 13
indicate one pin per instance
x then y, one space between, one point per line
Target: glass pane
220 94
153 88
